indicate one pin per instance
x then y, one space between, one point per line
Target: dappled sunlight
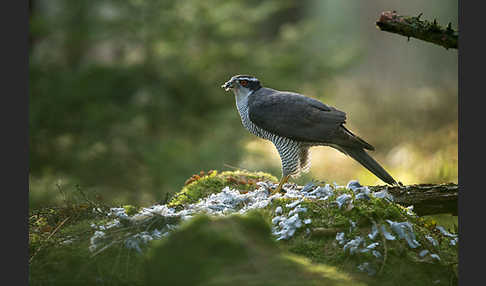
326 271
126 100
413 127
332 166
327 164
142 173
259 155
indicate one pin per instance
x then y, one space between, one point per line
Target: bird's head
242 84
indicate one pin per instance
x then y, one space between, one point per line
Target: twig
385 254
321 231
94 205
235 168
64 196
385 249
103 248
424 30
50 235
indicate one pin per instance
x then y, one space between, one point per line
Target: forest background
125 99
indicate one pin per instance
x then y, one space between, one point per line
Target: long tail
369 163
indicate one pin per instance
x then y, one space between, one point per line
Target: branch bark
427 199
407 26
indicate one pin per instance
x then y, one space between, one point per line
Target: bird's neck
242 99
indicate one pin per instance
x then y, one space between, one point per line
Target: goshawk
294 123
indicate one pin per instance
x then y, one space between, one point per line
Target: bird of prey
294 123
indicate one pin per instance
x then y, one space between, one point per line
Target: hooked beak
227 85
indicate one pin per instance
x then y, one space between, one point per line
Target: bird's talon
278 189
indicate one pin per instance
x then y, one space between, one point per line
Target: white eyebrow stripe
247 78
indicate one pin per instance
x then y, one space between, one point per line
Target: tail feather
369 163
355 138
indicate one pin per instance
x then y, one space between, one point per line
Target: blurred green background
125 98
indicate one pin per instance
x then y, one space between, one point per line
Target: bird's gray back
301 118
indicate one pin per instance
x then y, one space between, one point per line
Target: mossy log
126 246
427 199
414 27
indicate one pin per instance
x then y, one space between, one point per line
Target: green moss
130 210
60 256
448 221
236 250
74 265
49 227
215 182
403 263
239 249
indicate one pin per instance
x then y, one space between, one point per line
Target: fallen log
427 199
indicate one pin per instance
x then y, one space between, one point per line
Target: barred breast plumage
294 155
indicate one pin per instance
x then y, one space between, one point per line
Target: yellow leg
282 182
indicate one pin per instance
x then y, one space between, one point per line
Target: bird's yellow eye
243 82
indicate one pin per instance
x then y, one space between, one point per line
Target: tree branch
407 26
426 199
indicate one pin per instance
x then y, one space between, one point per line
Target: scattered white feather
431 240
453 241
353 184
353 244
294 204
285 225
435 256
445 232
374 232
386 234
340 237
342 199
373 245
423 253
95 241
404 230
276 219
384 194
376 253
368 268
410 210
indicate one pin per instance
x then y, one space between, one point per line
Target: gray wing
301 118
